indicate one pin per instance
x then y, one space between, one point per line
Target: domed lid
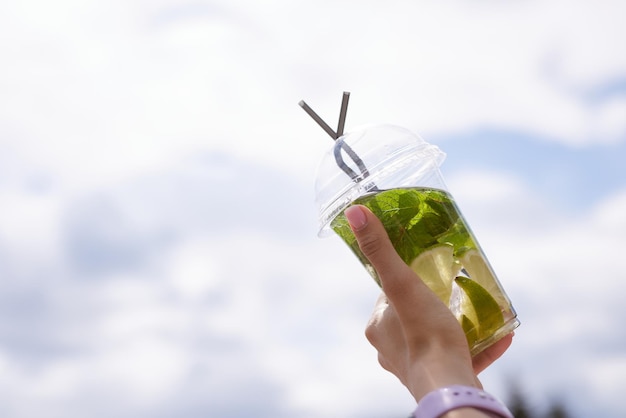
366 160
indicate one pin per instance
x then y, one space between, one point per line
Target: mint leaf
415 220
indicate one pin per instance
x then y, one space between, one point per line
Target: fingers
483 359
381 303
372 331
385 333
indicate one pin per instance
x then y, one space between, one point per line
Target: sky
158 234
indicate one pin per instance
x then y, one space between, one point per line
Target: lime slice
471 332
479 307
479 271
437 267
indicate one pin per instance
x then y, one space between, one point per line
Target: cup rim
353 190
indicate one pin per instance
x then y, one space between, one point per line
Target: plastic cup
396 174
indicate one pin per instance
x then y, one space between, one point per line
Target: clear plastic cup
396 174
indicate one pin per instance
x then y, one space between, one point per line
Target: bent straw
342 113
339 159
317 119
341 145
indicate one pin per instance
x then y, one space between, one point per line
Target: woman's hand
417 337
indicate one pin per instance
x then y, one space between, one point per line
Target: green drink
396 175
431 236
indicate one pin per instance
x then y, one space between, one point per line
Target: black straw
342 113
341 144
317 119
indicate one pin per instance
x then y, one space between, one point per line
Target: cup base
503 331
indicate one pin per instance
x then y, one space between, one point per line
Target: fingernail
356 217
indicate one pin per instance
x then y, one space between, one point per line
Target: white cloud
122 88
562 274
289 310
606 375
608 215
193 272
220 285
609 120
28 221
146 369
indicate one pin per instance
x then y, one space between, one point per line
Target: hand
417 337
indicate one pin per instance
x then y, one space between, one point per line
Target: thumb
419 310
374 243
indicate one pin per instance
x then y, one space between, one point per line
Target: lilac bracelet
440 401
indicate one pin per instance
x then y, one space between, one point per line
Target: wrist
426 376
